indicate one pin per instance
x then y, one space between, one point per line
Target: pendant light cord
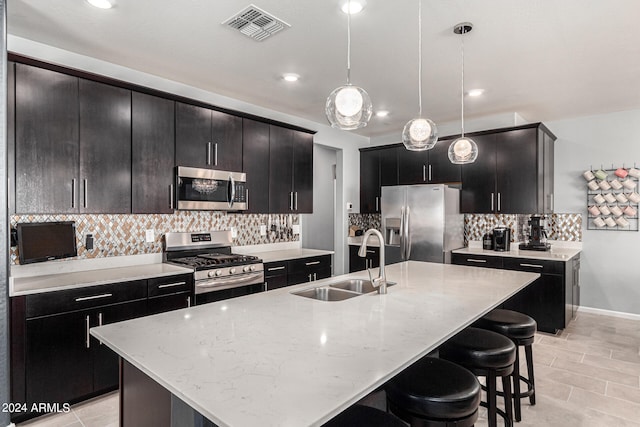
463 32
420 57
349 42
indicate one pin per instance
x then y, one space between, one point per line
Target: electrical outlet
295 229
234 232
149 236
263 230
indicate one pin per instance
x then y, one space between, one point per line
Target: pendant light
348 107
463 150
419 134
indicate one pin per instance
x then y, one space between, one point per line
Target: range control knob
210 274
218 272
246 269
232 270
252 268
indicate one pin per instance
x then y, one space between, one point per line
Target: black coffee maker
537 237
501 239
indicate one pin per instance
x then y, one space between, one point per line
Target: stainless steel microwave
212 190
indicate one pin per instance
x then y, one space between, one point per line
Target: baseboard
621 314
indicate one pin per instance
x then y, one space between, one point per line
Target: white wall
348 143
610 271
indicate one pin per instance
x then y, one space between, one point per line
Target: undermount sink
326 294
360 286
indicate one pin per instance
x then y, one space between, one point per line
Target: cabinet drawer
275 269
477 260
534 265
169 285
310 264
83 298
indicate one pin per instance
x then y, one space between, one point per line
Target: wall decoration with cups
612 198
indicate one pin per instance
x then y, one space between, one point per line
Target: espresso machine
537 236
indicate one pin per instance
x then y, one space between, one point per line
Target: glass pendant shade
419 134
463 150
348 107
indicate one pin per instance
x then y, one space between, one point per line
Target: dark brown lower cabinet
358 263
292 272
551 300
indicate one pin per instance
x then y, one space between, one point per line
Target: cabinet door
171 302
280 170
412 166
356 262
517 171
226 139
478 193
105 148
369 182
105 360
255 163
303 171
440 169
152 153
389 165
58 358
548 182
47 141
193 136
275 282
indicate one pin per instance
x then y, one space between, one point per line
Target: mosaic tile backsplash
567 227
120 234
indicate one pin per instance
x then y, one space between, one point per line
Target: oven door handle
230 282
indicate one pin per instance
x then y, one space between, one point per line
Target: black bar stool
359 415
521 329
435 393
487 354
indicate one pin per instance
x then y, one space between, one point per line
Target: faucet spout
379 282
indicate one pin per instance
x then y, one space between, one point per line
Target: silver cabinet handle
315 276
215 154
170 196
310 277
312 263
170 285
208 153
429 173
371 252
532 265
291 200
73 193
93 297
498 202
296 201
87 337
188 301
377 203
424 173
476 260
232 196
85 192
100 323
275 268
246 197
492 201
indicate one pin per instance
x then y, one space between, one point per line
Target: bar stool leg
506 388
529 356
491 399
516 386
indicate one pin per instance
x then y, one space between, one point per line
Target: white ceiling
544 59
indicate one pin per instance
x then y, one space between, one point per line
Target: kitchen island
278 359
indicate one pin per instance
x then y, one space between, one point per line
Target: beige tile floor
587 375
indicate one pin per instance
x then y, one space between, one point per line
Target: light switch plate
234 232
295 228
149 236
263 230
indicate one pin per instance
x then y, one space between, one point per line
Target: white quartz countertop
61 281
286 254
555 254
277 359
357 241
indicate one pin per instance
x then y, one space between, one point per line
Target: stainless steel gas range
218 273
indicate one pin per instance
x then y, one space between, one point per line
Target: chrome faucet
379 282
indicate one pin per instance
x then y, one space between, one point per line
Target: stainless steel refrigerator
421 222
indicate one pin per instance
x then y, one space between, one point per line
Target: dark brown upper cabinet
290 171
427 167
152 153
255 163
378 167
207 138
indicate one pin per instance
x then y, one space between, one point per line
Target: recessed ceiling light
102 4
382 113
353 7
475 92
290 77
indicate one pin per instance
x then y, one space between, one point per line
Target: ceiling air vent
256 23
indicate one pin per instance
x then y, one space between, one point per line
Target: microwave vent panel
256 23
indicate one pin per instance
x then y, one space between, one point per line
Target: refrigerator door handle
402 236
407 240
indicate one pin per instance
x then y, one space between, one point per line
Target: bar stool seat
435 392
521 329
360 415
488 354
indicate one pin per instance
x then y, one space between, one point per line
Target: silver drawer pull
169 285
531 265
312 263
93 297
371 252
476 260
275 268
